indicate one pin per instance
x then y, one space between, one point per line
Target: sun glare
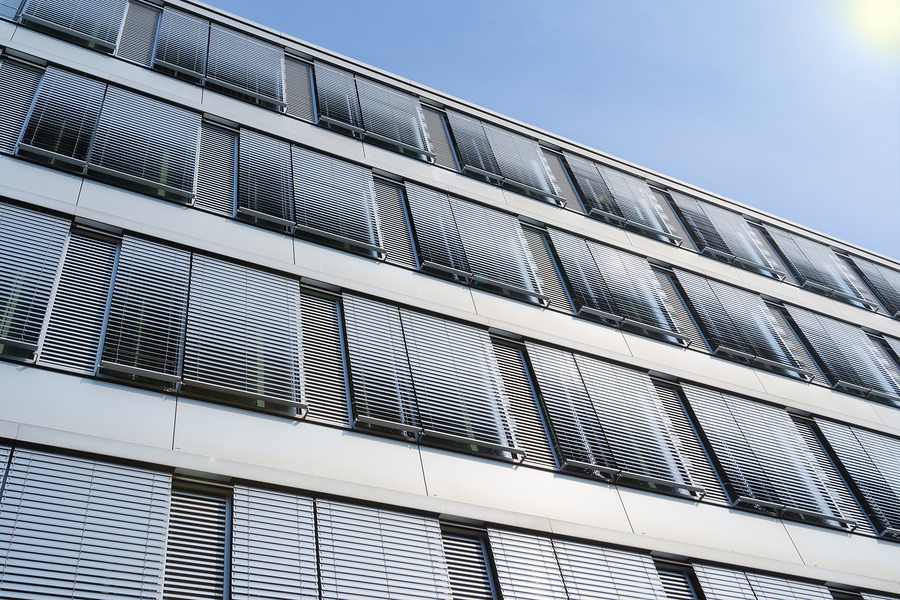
877 22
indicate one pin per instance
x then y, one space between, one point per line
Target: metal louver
725 234
818 267
738 323
147 142
79 307
217 172
547 270
246 65
337 99
595 194
383 393
196 546
65 114
96 22
107 524
557 167
633 200
372 554
526 566
436 122
884 283
324 368
273 548
145 333
764 457
439 243
138 33
472 144
725 584
298 89
264 179
848 356
18 83
393 116
396 235
182 42
870 459
676 582
467 566
591 572
678 309
335 199
460 397
32 246
243 335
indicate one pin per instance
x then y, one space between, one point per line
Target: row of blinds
94 21
372 108
612 284
726 584
884 283
470 241
726 234
420 374
609 419
486 149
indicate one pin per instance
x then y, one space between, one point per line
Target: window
884 282
138 33
527 567
265 190
617 287
19 82
557 165
726 235
93 22
469 242
738 324
182 44
98 512
246 66
396 234
547 265
439 133
324 366
299 89
217 170
768 465
467 564
817 267
33 245
850 358
147 143
501 155
725 584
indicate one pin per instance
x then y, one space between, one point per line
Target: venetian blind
94 21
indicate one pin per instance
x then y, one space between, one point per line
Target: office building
278 324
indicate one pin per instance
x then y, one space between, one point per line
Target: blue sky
791 106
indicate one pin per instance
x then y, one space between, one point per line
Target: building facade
278 324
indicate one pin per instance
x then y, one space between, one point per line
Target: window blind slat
183 42
458 386
336 95
139 33
435 227
761 452
335 197
521 160
379 368
32 246
470 578
547 269
395 228
298 89
677 584
472 143
107 524
264 177
148 310
273 548
436 122
871 461
65 115
591 572
18 83
594 191
392 114
526 566
92 20
884 283
245 64
150 142
216 180
79 308
726 584
372 554
563 183
324 369
243 332
632 199
195 547
678 310
586 284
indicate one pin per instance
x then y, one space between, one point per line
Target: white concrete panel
878 321
222 432
495 484
178 223
6 30
888 415
404 166
707 525
8 429
86 406
33 183
830 549
818 399
382 279
692 364
464 186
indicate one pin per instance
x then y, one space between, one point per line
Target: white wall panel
6 30
22 180
830 549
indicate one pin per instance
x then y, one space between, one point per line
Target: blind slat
138 33
19 83
92 20
243 63
591 572
436 121
526 566
183 42
324 369
298 89
336 95
195 547
264 176
395 229
392 114
216 177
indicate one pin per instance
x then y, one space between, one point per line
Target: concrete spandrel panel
76 404
6 29
171 221
382 279
26 181
888 415
877 321
465 186
495 484
707 525
223 432
847 552
403 166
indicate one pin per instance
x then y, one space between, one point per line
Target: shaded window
139 33
19 82
246 66
182 44
95 23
